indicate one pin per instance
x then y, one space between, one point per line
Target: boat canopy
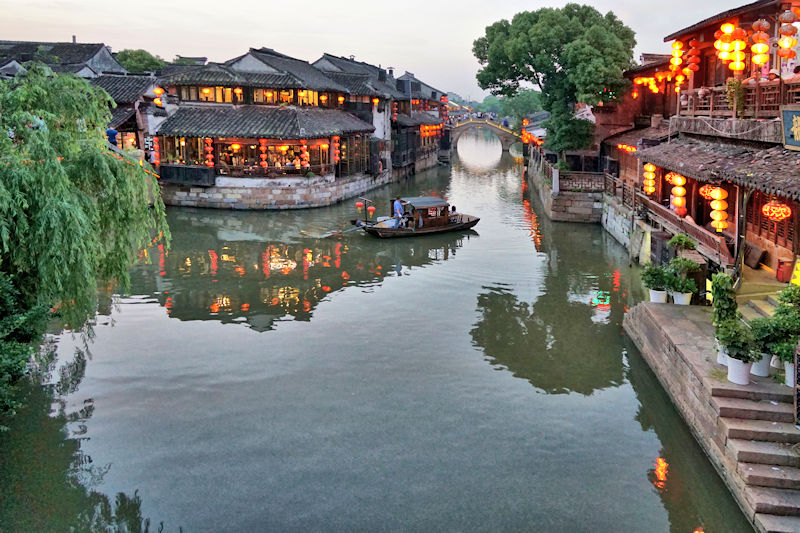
422 202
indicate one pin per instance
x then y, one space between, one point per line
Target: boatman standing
398 211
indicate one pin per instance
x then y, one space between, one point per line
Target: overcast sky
430 38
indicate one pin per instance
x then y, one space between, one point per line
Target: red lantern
370 210
705 191
776 211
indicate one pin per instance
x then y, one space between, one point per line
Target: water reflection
48 481
229 268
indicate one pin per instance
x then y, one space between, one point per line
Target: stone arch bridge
507 137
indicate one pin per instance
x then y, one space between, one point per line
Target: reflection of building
261 280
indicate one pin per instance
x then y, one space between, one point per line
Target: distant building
139 109
82 59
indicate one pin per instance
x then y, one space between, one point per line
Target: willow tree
73 214
572 55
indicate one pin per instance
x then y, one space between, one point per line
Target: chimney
74 39
352 58
381 75
391 71
655 121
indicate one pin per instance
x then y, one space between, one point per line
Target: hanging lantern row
430 131
678 192
209 151
693 57
730 45
336 152
705 191
649 181
304 153
719 216
776 211
627 148
394 111
787 41
156 152
760 38
677 53
262 147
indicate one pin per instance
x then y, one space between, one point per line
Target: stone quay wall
761 130
297 193
568 206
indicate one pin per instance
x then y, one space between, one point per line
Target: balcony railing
761 100
257 171
713 246
582 181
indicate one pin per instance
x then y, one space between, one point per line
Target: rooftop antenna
74 39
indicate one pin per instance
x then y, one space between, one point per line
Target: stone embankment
748 432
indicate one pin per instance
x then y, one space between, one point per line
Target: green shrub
765 334
738 341
785 350
681 242
655 277
682 267
724 299
681 285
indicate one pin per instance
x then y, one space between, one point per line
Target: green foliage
681 242
490 104
655 277
738 341
734 94
525 102
139 60
72 215
183 61
724 306
790 296
681 285
572 54
765 334
682 266
785 350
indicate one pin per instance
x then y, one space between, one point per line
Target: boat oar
329 233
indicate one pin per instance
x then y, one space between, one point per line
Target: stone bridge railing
484 122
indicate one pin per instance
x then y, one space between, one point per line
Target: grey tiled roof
58 53
417 119
216 74
773 170
363 84
261 121
121 114
124 89
351 66
307 75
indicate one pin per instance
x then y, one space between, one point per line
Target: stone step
779 477
765 453
772 299
753 409
758 389
762 307
767 500
748 313
764 430
770 523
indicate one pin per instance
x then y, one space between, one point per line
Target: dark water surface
262 380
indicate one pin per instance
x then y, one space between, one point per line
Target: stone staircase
755 306
758 424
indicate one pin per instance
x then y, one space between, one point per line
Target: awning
120 115
772 171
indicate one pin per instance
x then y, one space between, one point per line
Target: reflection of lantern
776 211
370 210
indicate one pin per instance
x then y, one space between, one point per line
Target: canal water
261 379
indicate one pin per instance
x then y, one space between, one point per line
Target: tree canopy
525 102
139 60
73 214
572 54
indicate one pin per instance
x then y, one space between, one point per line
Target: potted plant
682 288
655 279
785 352
681 242
764 334
724 307
738 341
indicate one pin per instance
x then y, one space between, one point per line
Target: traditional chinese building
87 60
139 109
731 178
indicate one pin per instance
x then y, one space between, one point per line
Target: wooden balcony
761 100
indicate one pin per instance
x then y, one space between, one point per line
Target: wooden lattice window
780 233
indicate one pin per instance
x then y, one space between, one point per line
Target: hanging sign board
790 120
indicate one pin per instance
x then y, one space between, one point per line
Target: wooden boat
424 215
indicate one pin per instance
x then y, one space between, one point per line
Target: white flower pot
775 362
682 298
761 367
722 354
738 372
659 297
789 379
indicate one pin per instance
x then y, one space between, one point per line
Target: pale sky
430 38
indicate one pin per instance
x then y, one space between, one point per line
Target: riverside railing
761 100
